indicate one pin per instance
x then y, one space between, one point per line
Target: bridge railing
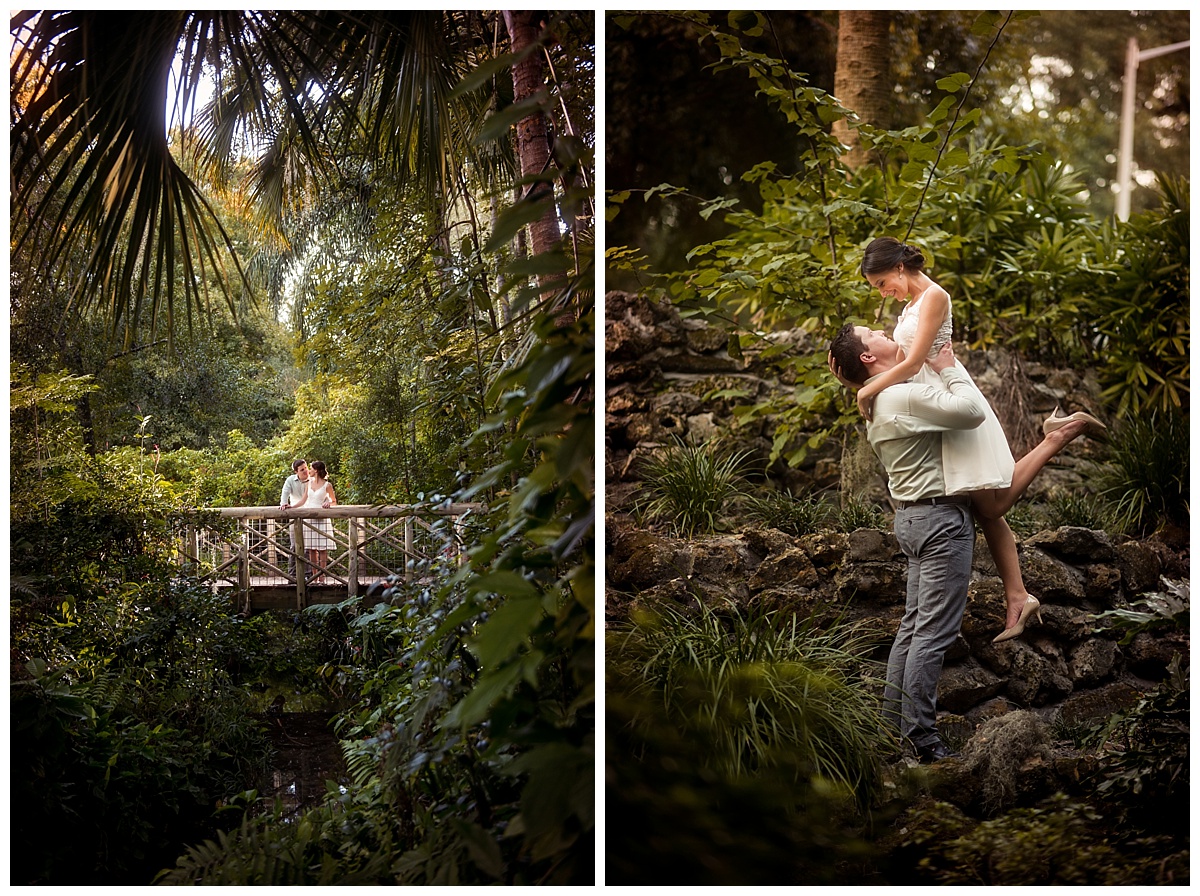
263 557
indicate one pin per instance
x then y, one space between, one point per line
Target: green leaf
985 24
504 582
514 218
560 787
498 124
482 847
954 83
482 74
506 630
473 708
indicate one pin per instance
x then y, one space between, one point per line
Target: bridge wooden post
408 549
352 556
272 548
243 571
301 564
190 549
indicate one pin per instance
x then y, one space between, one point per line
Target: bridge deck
274 593
259 559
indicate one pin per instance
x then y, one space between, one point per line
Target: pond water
306 756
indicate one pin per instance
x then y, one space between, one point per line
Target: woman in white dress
976 461
318 492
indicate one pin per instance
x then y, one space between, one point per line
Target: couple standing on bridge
309 487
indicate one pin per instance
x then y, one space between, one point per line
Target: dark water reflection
306 756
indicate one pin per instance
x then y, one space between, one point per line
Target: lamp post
1129 87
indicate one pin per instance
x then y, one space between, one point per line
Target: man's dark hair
846 349
298 463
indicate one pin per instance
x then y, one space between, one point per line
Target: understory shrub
1061 843
740 749
763 691
129 733
672 820
793 515
1148 475
691 485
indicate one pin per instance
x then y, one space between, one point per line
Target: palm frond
97 195
99 199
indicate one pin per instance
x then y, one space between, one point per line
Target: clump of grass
795 516
1069 508
1147 476
764 691
691 485
858 513
1025 519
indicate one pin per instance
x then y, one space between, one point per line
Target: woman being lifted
976 461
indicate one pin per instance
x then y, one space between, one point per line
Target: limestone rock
1094 661
873 546
1033 678
1091 707
964 686
722 559
826 549
639 560
1102 585
867 581
1074 543
789 569
1140 567
1050 579
1151 653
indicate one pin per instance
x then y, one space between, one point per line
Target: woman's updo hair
886 253
319 466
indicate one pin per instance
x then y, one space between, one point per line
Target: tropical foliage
691 485
696 695
339 254
752 732
1003 228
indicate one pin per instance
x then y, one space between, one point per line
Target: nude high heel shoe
1058 420
1032 606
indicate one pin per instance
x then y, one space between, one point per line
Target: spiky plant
763 690
858 513
1072 508
691 485
1148 474
796 516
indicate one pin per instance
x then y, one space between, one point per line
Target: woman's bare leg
993 503
1003 546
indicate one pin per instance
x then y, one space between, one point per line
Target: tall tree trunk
533 136
863 79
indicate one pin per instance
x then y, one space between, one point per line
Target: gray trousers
938 541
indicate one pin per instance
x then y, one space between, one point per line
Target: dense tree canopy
1053 80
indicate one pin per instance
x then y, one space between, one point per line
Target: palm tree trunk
533 137
863 79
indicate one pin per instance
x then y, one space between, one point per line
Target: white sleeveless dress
972 459
322 538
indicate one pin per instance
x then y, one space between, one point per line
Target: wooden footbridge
258 554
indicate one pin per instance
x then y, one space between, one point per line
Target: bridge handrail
348 560
347 511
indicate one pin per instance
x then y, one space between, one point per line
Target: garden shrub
691 485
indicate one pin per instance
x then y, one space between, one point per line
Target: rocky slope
1061 675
